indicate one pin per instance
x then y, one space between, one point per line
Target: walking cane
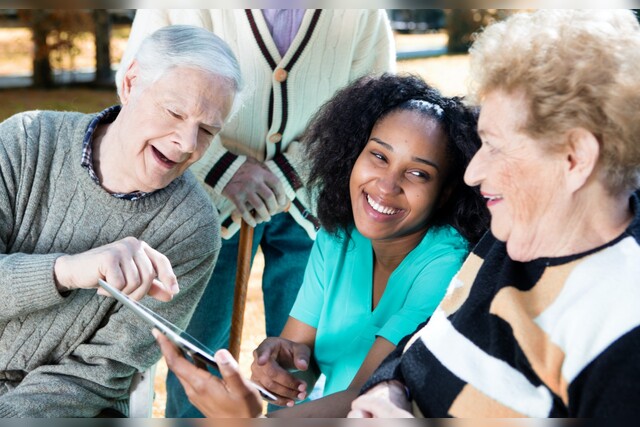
243 270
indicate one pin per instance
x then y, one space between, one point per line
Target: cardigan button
280 75
275 138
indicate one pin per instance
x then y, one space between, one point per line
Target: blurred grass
65 99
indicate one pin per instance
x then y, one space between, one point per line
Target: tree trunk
103 53
42 77
460 25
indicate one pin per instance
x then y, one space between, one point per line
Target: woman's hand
272 361
386 400
229 397
130 265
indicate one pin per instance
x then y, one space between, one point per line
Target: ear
583 151
129 81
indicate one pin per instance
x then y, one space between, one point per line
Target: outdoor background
65 60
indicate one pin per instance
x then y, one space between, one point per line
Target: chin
519 252
499 232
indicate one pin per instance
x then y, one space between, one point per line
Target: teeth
382 209
492 198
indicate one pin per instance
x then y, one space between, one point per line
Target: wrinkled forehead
197 91
500 109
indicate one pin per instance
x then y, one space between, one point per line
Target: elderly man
106 195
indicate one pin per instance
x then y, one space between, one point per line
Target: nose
474 175
389 182
187 138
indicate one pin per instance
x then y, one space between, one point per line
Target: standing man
293 60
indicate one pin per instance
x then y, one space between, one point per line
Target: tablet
192 348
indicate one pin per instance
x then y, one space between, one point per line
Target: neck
388 254
594 217
107 158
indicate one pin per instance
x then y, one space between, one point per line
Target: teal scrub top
337 292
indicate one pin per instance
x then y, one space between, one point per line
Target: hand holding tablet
199 354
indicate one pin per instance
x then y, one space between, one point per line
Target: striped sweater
75 354
331 49
554 337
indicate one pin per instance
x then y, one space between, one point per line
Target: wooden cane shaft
243 270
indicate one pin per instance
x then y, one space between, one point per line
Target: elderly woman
542 320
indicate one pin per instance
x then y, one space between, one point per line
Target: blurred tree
463 23
54 33
102 23
42 77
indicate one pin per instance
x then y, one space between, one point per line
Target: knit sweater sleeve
98 372
374 53
26 280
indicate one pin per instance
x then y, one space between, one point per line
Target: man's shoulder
36 122
35 116
39 133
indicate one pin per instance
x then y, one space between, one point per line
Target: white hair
187 46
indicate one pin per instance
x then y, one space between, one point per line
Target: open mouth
162 158
492 199
385 210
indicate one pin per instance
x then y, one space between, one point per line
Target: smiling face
167 125
521 180
396 181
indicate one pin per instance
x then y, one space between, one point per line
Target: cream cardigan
331 49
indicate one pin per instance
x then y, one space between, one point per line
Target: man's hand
271 362
229 397
386 400
129 265
256 192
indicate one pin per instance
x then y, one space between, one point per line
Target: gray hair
187 46
578 68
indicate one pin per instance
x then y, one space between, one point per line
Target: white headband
425 105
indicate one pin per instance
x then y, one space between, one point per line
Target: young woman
387 158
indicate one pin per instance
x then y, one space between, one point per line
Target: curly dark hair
339 131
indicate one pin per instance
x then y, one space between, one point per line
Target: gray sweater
72 355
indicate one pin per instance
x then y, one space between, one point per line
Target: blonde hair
577 68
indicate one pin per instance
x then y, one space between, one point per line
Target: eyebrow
487 132
173 106
415 159
211 127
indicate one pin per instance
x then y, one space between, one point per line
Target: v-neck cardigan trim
287 62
